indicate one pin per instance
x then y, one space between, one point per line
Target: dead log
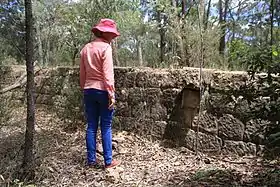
19 83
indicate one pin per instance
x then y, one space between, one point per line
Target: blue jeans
96 110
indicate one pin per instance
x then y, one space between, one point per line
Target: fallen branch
21 81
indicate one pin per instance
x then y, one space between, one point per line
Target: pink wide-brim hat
106 25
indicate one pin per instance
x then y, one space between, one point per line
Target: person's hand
112 102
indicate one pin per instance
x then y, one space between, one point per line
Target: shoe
113 164
94 165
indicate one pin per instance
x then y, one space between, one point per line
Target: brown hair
98 34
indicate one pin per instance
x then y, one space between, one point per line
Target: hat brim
105 29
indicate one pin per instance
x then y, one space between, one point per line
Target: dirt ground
60 160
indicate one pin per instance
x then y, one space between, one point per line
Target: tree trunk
222 22
184 4
74 56
161 22
40 47
206 17
28 157
47 52
201 12
271 26
115 52
139 51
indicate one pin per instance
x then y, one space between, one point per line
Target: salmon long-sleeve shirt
96 66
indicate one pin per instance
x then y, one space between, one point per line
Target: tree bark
115 52
184 4
271 27
76 51
202 12
40 47
206 17
161 21
222 22
28 157
139 51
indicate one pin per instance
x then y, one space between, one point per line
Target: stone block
206 142
230 128
140 110
207 123
168 98
124 77
255 131
191 98
152 95
238 148
158 112
122 94
142 79
136 95
130 79
122 109
143 127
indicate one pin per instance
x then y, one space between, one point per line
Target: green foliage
12 30
153 33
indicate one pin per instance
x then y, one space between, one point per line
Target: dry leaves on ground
60 160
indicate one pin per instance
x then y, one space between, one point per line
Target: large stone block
136 95
230 128
145 127
238 148
152 95
255 131
158 112
168 98
206 142
122 109
140 110
122 94
147 78
207 123
125 77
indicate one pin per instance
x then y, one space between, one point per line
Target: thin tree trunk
201 11
115 52
271 26
162 36
222 22
28 157
40 48
139 51
206 17
47 56
184 4
74 56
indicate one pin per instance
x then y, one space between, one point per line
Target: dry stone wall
159 104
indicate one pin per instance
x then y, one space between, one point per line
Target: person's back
94 54
97 83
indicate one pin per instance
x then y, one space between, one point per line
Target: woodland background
235 35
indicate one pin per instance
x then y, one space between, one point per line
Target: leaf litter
60 160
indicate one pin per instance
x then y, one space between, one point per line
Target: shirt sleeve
82 71
108 72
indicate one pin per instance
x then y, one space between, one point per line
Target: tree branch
19 82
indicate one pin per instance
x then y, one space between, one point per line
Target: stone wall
160 104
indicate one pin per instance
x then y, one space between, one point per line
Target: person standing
97 83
